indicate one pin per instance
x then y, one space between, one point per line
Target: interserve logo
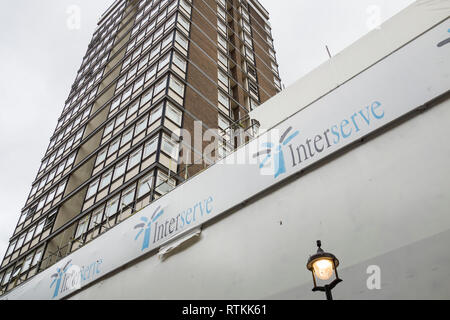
303 150
146 226
58 277
71 277
275 151
444 42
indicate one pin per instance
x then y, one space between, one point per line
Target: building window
160 86
115 103
133 108
82 227
164 184
37 257
27 263
141 125
135 159
224 125
222 42
150 147
92 190
41 203
179 61
120 170
7 276
146 97
174 114
20 242
30 234
17 270
223 78
106 180
145 185
223 60
109 128
40 227
112 207
61 188
170 147
164 62
128 196
126 137
96 218
177 86
222 27
182 41
101 157
224 100
11 248
156 114
253 88
113 147
23 217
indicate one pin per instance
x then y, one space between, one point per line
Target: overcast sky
41 49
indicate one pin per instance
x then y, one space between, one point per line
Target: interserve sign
395 86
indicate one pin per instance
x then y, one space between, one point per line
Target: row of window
144 15
124 200
91 80
114 17
25 238
148 60
156 51
70 129
105 26
131 111
130 166
91 76
149 32
101 44
243 10
149 120
251 84
21 268
180 40
65 122
71 109
55 173
136 131
104 32
66 163
141 125
47 198
99 48
70 144
100 38
142 82
156 69
159 10
246 35
248 51
95 59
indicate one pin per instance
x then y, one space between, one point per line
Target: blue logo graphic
145 227
60 272
446 41
276 151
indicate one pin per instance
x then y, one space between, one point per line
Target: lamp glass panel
323 269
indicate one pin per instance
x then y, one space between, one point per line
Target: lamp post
322 266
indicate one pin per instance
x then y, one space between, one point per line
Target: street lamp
322 266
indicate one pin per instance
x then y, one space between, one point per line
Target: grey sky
40 55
